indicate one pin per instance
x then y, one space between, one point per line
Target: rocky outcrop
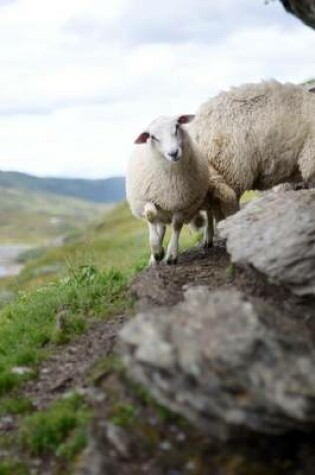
276 235
303 9
214 360
231 348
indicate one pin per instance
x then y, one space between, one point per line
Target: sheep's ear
185 119
142 137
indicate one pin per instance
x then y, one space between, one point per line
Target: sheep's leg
157 251
172 250
218 213
161 228
156 233
208 231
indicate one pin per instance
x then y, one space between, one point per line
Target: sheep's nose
174 154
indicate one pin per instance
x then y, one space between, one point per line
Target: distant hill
108 190
34 218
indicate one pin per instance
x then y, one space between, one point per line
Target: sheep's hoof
207 244
171 260
158 256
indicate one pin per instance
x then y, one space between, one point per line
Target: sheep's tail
198 222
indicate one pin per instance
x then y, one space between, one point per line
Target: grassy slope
28 217
90 283
119 241
92 276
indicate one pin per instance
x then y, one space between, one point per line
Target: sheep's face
166 136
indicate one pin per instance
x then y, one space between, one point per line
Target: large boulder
276 235
213 359
303 9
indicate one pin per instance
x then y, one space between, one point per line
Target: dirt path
162 286
67 369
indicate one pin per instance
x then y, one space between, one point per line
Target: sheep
167 182
258 135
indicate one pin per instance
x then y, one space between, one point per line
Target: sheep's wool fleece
259 135
173 187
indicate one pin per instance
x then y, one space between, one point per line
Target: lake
8 255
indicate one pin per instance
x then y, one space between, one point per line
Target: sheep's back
253 134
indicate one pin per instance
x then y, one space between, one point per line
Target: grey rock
213 359
303 9
276 234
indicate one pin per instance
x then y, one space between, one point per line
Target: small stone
21 370
118 439
45 370
181 437
166 445
7 423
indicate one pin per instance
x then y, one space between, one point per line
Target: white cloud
79 79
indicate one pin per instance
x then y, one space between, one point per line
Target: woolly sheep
167 183
259 135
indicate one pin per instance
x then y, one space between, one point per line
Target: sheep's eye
154 138
177 128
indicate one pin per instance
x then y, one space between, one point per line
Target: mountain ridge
105 190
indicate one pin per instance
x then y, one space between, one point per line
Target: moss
231 270
122 414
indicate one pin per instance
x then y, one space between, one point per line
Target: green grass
13 467
15 405
89 282
54 309
248 196
119 241
60 430
123 415
55 313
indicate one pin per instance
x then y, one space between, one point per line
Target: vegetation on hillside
89 283
34 218
108 190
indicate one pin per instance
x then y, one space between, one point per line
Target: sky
81 79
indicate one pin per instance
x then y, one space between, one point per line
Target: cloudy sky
80 79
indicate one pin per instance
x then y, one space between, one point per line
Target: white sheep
167 183
259 135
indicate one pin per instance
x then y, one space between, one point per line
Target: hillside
239 345
108 190
115 241
31 217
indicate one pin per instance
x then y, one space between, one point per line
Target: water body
8 256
